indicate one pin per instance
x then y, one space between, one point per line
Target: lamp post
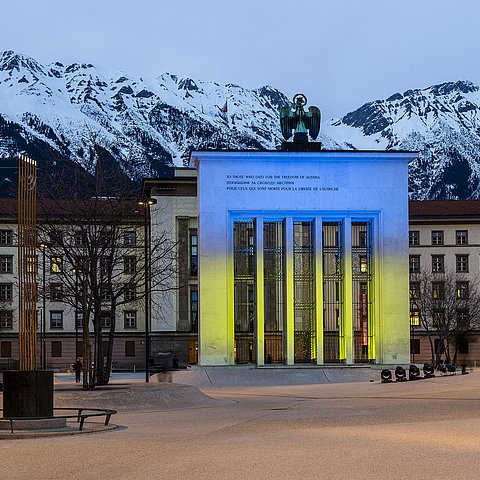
75 270
43 350
147 203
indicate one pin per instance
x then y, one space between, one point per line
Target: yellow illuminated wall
316 187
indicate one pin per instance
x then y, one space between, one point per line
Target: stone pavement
347 430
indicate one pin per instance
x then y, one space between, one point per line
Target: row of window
79 238
56 264
438 263
438 237
56 292
438 290
56 348
56 319
438 317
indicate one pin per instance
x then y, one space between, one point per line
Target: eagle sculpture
299 120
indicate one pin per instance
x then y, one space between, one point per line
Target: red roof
444 208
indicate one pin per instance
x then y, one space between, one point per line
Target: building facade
444 243
59 319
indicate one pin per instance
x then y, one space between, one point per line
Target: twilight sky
340 53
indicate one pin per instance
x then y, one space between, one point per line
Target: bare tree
447 306
98 244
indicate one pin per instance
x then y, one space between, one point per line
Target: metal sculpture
299 120
27 262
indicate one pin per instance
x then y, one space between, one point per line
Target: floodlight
386 376
428 370
400 374
414 372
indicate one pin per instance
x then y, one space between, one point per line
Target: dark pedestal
27 394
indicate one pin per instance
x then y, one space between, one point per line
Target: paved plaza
263 424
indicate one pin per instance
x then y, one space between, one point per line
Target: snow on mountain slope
74 116
145 124
441 122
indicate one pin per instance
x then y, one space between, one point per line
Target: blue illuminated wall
315 187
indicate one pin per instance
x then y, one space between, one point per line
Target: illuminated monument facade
303 257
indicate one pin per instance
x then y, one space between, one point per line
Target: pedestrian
175 362
77 366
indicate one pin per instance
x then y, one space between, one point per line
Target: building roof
444 208
77 208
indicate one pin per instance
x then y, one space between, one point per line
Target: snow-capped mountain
77 120
441 122
59 113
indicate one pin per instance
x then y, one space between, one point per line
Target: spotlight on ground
400 374
414 373
386 376
442 368
428 370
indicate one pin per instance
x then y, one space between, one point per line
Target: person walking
77 366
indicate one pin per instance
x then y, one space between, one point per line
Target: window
463 345
56 320
438 290
462 263
129 348
414 263
194 310
414 290
129 264
79 319
363 264
56 292
414 237
194 254
6 237
463 318
56 349
80 239
362 239
56 238
56 265
438 318
6 291
130 293
105 319
462 290
130 319
438 264
32 261
461 237
414 318
130 238
415 346
105 266
105 293
437 237
5 349
106 238
6 264
6 319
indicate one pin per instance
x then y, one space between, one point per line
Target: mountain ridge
77 117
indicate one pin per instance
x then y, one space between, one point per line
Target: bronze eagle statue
299 120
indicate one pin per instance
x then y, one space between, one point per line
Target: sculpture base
27 394
302 146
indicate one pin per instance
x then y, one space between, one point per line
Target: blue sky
340 54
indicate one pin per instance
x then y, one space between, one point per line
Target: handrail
80 416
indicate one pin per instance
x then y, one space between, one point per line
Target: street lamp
43 350
147 203
76 271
